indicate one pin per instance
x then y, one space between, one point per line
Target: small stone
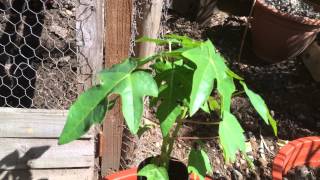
237 175
242 161
218 161
272 113
271 148
263 162
157 144
68 12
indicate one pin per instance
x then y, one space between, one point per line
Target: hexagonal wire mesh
39 57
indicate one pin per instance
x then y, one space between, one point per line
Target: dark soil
295 7
287 87
303 173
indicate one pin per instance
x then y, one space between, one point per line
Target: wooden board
90 39
49 174
33 123
44 153
117 46
149 26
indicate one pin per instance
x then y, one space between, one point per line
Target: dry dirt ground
287 87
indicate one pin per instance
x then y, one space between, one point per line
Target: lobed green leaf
199 163
175 87
80 113
132 90
261 107
210 67
231 136
154 172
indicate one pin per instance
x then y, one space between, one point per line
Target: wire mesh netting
39 53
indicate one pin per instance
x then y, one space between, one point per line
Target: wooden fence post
90 28
149 26
117 45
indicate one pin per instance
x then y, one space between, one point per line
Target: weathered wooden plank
117 45
33 123
49 174
149 26
45 153
90 39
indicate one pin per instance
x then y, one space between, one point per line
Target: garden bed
287 87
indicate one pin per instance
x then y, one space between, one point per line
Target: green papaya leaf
226 88
210 67
185 41
261 107
98 113
132 90
231 136
234 75
77 121
157 41
213 104
154 172
199 163
257 102
175 85
273 124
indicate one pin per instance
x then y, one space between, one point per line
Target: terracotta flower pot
303 151
277 36
131 174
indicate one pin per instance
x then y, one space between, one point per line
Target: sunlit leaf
261 107
210 67
132 90
199 163
231 136
154 172
185 41
78 122
175 85
213 104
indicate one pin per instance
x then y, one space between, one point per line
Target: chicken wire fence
40 63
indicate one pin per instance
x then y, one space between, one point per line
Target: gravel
295 7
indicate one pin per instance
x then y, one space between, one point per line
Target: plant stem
198 138
167 145
201 122
164 158
174 135
168 142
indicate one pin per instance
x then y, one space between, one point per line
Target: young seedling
180 83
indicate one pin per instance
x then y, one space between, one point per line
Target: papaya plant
179 82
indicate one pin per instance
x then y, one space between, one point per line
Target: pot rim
120 175
296 153
299 19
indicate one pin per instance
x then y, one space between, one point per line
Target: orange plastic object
303 151
131 174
